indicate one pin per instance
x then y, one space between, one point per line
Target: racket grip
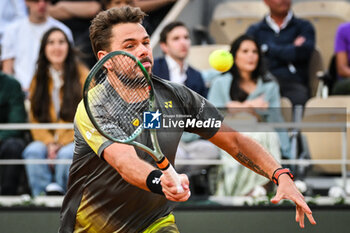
174 177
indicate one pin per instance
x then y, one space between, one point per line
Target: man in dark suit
175 42
287 42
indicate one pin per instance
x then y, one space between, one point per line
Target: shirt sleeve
8 43
92 137
340 39
205 119
219 91
273 95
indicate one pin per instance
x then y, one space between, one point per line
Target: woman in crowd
248 87
54 94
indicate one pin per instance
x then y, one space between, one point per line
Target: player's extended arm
255 157
246 151
135 171
125 160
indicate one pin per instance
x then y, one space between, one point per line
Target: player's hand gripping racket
117 91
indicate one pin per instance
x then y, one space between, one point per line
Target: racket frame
162 162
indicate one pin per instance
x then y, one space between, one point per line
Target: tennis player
115 187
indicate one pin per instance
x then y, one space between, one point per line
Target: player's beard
138 81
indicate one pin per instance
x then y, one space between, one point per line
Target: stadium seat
316 68
325 17
327 143
339 8
327 79
233 8
287 109
199 55
231 19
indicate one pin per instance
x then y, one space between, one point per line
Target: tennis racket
117 91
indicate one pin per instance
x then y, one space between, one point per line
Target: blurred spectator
77 16
54 93
342 53
10 11
107 4
175 42
156 10
12 142
21 41
152 5
247 87
288 43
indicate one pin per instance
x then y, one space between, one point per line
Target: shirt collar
172 64
272 24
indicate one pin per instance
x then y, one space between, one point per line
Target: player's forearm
246 151
124 159
254 156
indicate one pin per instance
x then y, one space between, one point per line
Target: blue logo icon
151 120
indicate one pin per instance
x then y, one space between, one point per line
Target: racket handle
174 177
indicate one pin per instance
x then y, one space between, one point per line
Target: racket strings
123 98
133 86
129 81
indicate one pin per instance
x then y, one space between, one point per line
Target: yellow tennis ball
221 60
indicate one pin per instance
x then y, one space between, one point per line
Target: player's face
131 38
177 44
37 9
279 7
247 56
56 49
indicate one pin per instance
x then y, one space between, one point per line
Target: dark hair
168 28
72 90
102 24
236 92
